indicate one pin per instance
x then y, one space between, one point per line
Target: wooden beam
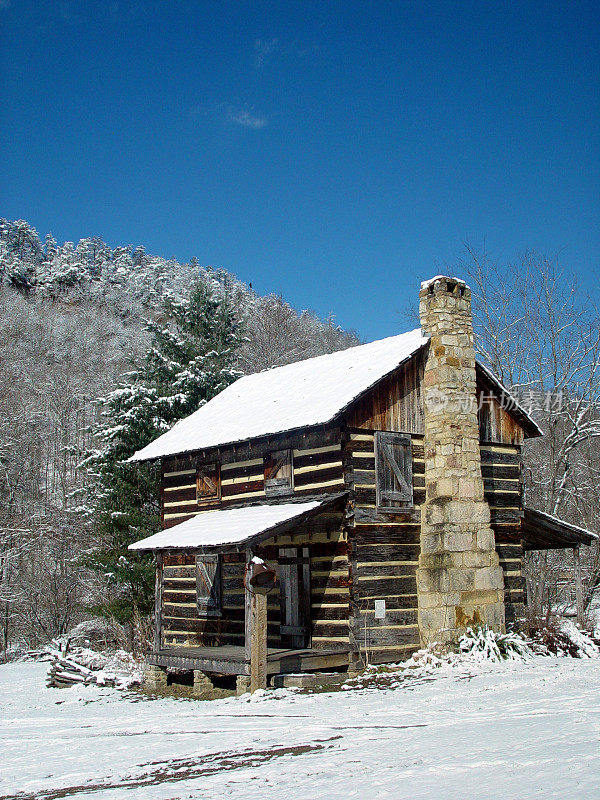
258 638
158 588
247 610
578 585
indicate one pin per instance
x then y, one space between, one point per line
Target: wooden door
294 596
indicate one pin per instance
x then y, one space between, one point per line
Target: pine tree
191 359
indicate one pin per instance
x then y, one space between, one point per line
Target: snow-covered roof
227 526
307 393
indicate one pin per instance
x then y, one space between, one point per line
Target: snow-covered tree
76 323
191 359
540 334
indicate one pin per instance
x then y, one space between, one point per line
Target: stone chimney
459 579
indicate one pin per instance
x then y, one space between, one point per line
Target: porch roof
234 526
543 531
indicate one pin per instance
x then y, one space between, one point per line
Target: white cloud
247 119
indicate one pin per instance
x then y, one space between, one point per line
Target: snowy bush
99 633
484 644
563 638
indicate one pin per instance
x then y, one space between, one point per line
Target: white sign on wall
379 609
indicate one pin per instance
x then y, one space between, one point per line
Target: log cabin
383 486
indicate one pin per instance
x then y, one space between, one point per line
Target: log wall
328 550
327 544
384 548
384 555
501 467
317 467
181 624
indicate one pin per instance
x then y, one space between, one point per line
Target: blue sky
336 152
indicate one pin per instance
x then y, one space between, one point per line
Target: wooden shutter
279 473
208 483
393 469
208 585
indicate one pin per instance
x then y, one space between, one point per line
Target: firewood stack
84 666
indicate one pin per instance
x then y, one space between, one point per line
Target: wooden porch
232 659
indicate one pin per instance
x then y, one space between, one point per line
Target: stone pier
155 678
459 580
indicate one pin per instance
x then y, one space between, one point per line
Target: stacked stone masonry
459 580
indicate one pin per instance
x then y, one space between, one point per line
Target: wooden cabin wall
384 554
395 404
384 549
181 624
317 466
330 594
501 467
325 538
495 423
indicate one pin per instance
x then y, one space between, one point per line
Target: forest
103 348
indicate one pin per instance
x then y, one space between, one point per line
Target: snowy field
515 730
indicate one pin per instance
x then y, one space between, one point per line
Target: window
393 471
208 483
279 473
208 585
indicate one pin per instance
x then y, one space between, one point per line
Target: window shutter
208 483
393 469
279 473
208 585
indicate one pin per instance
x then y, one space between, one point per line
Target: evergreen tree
191 359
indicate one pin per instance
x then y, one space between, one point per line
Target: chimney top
445 307
444 283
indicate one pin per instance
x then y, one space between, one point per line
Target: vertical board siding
496 423
394 404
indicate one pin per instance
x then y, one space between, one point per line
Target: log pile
89 668
66 672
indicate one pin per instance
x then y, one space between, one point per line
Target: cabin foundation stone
459 580
155 678
203 688
242 684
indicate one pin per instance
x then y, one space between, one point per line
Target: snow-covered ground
510 730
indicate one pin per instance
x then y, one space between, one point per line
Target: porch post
258 650
247 612
578 585
158 589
